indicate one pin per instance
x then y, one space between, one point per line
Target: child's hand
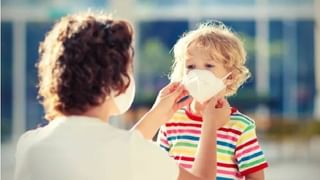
168 100
217 111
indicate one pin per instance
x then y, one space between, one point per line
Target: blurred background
282 38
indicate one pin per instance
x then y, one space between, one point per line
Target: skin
198 58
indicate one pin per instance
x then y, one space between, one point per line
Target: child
214 48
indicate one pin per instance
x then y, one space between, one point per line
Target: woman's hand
169 100
166 104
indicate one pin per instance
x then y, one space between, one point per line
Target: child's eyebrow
214 60
188 60
211 60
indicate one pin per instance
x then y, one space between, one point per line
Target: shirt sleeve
162 140
249 155
150 162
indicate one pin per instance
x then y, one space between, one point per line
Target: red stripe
246 144
164 133
186 166
230 130
184 158
226 137
164 142
199 118
247 151
182 124
191 159
227 165
180 131
254 169
224 172
191 115
233 110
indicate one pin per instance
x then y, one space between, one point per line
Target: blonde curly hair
223 46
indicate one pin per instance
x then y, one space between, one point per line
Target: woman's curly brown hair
83 59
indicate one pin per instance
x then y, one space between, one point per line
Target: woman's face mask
124 100
203 84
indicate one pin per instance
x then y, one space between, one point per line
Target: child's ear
229 79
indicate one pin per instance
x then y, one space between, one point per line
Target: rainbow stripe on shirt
238 150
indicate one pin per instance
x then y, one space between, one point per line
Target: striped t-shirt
238 151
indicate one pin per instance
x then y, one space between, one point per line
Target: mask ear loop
225 77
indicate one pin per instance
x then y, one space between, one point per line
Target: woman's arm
162 110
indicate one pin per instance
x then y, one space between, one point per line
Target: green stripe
225 151
253 163
248 129
183 144
248 119
245 121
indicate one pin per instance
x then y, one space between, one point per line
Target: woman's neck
101 112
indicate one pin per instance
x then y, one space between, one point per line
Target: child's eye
191 66
209 66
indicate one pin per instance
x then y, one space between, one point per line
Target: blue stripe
250 157
183 137
223 178
165 148
226 144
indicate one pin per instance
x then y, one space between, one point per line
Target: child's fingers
220 103
211 102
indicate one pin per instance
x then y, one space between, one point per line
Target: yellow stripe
246 137
178 117
238 126
183 151
224 158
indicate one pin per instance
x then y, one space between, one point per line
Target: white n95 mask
124 100
203 84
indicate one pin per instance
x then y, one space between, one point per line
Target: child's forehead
201 52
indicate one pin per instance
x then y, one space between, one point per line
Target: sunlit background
282 38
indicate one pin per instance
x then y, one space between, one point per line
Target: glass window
180 3
291 2
156 39
35 34
157 3
59 3
304 77
6 80
276 48
229 2
306 71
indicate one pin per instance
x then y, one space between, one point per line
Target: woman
85 77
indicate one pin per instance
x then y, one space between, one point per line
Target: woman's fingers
170 88
186 101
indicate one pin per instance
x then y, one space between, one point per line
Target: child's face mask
203 84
